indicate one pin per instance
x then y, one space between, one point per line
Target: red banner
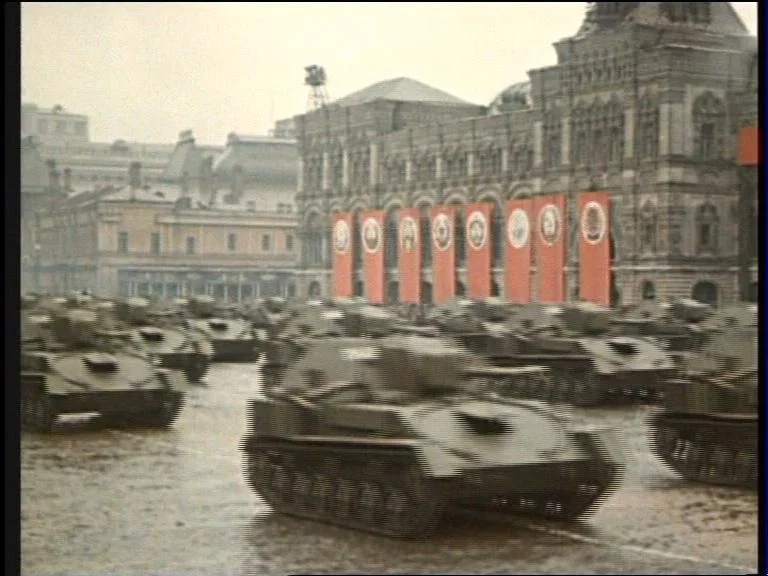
409 254
749 146
478 235
517 281
443 220
550 246
594 247
341 241
372 242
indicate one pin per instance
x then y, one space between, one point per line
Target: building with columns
646 101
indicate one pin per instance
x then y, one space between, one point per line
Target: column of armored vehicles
382 419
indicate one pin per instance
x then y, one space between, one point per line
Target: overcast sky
146 71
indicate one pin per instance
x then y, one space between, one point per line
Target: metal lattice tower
315 79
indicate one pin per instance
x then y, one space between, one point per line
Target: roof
720 19
263 159
186 158
401 90
514 97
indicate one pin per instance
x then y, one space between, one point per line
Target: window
709 126
616 145
707 140
155 243
337 170
648 228
61 127
289 242
266 242
191 245
707 229
648 128
649 290
42 126
122 242
232 242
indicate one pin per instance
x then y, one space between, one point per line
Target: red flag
341 240
594 248
409 254
550 246
749 146
517 281
478 235
443 253
372 241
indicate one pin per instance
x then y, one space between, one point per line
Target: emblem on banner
593 222
518 228
371 235
550 224
341 236
477 230
442 232
409 234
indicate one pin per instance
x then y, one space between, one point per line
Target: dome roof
514 97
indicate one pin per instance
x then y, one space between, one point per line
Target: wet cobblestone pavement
97 501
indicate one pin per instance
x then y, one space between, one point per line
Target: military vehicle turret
479 325
588 363
234 339
384 434
678 324
158 336
77 369
707 430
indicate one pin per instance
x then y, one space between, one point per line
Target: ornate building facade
219 224
646 101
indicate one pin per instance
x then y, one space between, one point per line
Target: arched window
390 239
707 229
648 226
425 226
709 126
314 290
648 290
647 140
705 292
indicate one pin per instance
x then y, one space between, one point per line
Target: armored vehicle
153 333
385 434
677 325
80 370
588 362
234 339
479 325
707 430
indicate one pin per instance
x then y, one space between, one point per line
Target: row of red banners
546 212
